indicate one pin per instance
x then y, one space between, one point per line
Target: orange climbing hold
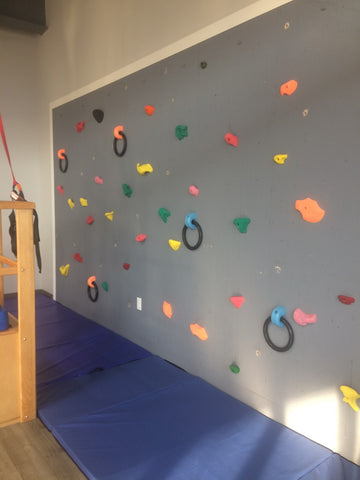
289 87
310 210
149 109
167 309
91 281
117 132
61 153
198 331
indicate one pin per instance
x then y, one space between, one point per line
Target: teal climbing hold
234 368
127 190
164 214
241 224
181 131
105 286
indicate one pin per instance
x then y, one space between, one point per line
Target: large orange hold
289 87
149 109
198 331
167 309
310 210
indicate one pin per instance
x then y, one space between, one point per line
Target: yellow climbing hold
110 216
350 396
83 202
71 203
174 244
144 168
280 159
64 270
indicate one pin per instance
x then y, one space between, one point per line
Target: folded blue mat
150 420
69 345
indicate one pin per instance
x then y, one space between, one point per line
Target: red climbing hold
141 237
237 301
346 300
149 109
60 189
80 126
126 266
78 257
231 139
90 220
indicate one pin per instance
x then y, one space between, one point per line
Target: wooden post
1 278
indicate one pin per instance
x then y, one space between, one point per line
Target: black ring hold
89 289
123 151
66 163
200 239
270 343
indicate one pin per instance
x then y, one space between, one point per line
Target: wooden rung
8 271
17 205
8 261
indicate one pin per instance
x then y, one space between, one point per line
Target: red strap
2 131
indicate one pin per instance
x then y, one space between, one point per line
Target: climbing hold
189 220
90 220
193 190
304 318
99 180
167 309
198 331
91 281
174 244
140 238
105 286
98 115
144 168
126 266
62 156
64 269
149 109
310 210
92 286
237 301
234 368
241 224
203 65
350 396
289 87
231 139
181 131
194 224
78 257
119 135
80 126
109 216
71 203
83 202
60 189
164 214
280 159
277 314
127 190
346 300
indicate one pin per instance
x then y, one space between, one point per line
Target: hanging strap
2 132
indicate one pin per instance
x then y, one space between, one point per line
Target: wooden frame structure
17 344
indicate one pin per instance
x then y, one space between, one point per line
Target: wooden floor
28 451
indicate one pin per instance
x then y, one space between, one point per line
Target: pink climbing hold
98 180
303 318
80 126
194 190
237 301
231 139
78 257
60 189
141 237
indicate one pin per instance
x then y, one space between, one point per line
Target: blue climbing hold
190 217
276 315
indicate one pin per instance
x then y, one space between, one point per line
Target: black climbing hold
203 65
98 115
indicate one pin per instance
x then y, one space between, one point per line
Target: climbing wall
247 147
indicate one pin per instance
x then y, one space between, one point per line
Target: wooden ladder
17 344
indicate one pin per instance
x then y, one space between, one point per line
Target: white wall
88 44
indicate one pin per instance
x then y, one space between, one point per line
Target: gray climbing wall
281 260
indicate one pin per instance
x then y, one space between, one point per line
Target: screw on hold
181 131
241 224
234 368
203 64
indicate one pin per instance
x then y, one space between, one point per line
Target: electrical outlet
139 303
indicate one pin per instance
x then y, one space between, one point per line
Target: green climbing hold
241 224
105 286
164 214
127 190
234 368
181 131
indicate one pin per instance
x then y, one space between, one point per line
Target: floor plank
28 451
